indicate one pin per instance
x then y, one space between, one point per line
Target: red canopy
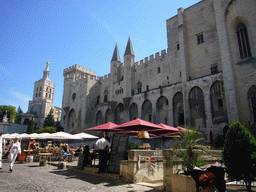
166 129
184 129
138 125
108 127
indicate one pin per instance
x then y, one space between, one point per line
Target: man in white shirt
103 146
1 149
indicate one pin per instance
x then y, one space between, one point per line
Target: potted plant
188 151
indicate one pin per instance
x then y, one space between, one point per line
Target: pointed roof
129 49
116 56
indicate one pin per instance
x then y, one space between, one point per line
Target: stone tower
128 69
42 101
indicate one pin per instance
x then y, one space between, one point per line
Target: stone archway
120 114
79 121
71 119
178 111
99 119
252 103
109 116
133 111
218 103
197 108
146 111
162 112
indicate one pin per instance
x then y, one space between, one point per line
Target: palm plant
185 150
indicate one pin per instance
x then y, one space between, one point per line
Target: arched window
243 41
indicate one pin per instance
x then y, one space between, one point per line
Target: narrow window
220 103
200 38
40 88
139 90
167 77
37 89
147 87
105 98
98 100
39 94
36 94
45 94
149 118
214 69
178 46
159 70
74 97
49 96
243 41
50 90
165 120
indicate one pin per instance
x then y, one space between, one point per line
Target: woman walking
14 150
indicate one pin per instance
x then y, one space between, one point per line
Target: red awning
108 127
138 125
166 130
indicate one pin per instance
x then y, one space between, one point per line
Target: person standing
1 149
14 150
103 146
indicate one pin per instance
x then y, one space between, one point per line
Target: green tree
19 115
238 153
49 120
58 126
11 112
185 150
49 129
31 126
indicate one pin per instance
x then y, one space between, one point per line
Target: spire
116 56
46 71
129 49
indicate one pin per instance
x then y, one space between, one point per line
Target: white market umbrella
12 136
86 136
34 135
24 135
64 135
5 136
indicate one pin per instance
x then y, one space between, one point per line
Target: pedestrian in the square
14 150
103 146
1 149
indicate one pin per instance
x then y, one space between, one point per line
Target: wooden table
45 155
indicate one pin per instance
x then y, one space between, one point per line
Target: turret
115 63
128 68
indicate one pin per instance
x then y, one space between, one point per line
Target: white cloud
19 95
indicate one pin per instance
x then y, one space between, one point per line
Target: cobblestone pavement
31 177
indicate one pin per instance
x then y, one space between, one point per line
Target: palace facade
206 78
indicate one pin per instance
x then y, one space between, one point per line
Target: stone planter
183 183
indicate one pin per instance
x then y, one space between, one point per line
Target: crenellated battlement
77 67
151 58
105 78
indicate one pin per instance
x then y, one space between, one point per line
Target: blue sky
68 32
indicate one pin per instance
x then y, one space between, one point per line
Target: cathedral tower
42 102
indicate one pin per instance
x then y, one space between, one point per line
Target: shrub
238 153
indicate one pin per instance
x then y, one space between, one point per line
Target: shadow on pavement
93 179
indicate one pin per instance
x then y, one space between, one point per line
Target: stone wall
12 128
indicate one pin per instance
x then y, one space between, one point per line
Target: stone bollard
42 162
168 169
29 159
62 165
